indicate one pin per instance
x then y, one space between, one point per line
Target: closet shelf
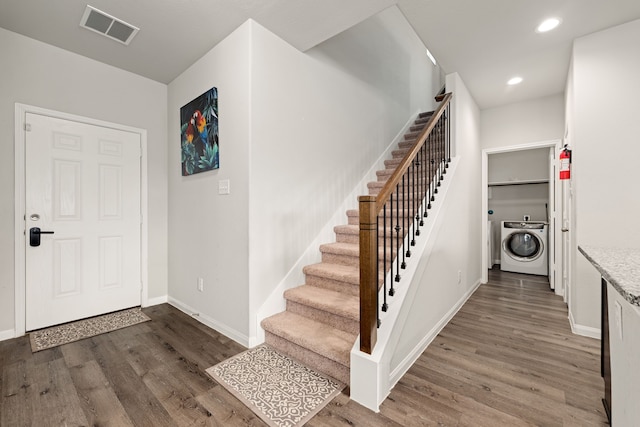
519 182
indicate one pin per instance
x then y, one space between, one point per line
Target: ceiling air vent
105 24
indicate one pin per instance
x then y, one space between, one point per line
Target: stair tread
341 248
337 303
318 337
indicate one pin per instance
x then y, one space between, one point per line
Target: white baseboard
156 301
210 322
7 335
585 331
411 358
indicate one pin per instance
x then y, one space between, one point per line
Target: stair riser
384 177
336 321
374 190
392 168
391 241
333 284
353 261
399 153
354 220
322 364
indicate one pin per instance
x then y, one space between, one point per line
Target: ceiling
486 42
489 41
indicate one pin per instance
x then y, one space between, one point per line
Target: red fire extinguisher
565 163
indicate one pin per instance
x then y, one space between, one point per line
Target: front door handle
34 235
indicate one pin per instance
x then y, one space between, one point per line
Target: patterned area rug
282 392
74 331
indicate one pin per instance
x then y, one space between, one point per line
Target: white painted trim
585 331
19 193
7 335
210 322
411 358
556 143
275 303
156 301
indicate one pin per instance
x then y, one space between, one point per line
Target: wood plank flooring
508 358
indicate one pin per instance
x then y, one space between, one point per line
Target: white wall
298 131
320 119
208 232
536 120
458 243
41 75
603 129
523 165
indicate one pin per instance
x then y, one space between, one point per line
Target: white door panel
82 183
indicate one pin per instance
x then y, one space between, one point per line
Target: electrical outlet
459 277
200 284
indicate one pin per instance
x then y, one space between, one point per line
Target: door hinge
27 127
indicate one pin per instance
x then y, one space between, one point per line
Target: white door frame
556 144
21 111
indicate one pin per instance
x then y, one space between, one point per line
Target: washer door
523 246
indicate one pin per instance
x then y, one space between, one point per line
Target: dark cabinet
605 355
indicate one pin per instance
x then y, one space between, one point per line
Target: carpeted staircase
321 322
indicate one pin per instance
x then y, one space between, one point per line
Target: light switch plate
224 186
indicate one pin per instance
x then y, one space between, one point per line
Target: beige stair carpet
322 317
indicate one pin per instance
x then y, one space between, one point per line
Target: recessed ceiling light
548 25
514 81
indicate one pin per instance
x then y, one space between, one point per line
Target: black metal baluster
384 256
378 270
397 230
416 204
404 225
423 179
432 170
412 182
423 184
441 149
436 160
405 214
448 130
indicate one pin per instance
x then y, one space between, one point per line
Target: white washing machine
524 247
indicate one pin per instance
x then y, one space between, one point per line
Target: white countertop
619 266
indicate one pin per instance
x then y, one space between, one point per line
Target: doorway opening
517 192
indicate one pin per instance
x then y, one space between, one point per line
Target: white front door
82 183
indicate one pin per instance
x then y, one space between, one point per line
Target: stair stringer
275 302
371 376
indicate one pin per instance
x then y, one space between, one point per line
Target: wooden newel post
368 273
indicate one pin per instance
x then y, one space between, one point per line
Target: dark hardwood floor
508 358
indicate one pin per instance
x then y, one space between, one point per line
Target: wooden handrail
370 207
393 181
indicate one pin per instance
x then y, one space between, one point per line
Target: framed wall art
199 144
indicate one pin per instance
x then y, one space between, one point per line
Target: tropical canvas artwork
199 134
